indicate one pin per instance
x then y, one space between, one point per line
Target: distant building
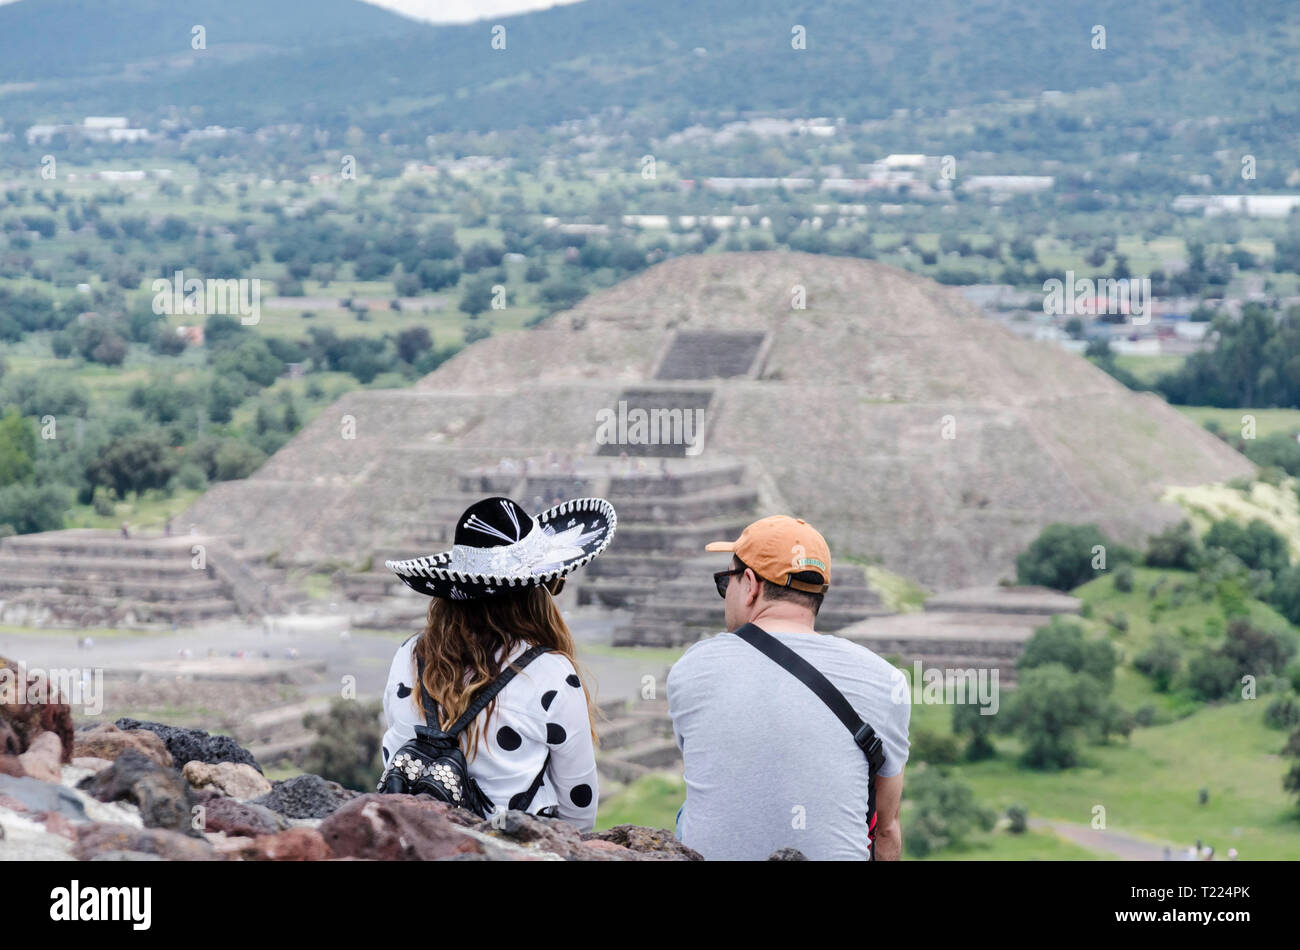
1009 184
1251 206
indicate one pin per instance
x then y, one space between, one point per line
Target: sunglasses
722 578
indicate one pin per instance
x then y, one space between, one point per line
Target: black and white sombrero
498 546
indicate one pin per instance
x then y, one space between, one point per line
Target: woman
533 746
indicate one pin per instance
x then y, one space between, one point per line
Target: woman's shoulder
550 671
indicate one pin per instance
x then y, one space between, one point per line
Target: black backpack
433 763
815 680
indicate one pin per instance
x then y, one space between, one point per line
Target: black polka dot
508 739
548 697
572 680
555 733
385 751
580 795
403 691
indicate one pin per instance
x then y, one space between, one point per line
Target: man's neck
774 619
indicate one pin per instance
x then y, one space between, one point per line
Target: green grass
146 513
1149 368
1002 845
651 801
1149 785
1267 421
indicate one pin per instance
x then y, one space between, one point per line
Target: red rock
169 845
296 844
57 824
46 714
651 844
43 758
597 849
106 741
396 828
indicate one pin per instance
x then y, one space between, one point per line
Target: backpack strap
485 696
815 680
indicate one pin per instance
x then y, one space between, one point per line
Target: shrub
348 740
1282 713
1124 579
1063 641
1063 555
937 748
1160 662
1175 547
1018 816
944 813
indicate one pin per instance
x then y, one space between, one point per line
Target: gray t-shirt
768 765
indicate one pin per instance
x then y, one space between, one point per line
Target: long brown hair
464 641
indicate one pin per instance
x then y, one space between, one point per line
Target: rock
98 842
163 796
230 778
306 796
124 856
397 828
191 745
787 854
557 837
22 838
106 741
91 763
43 758
598 849
38 710
653 844
36 797
10 765
9 744
240 819
296 844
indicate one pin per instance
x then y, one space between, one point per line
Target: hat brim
581 528
721 546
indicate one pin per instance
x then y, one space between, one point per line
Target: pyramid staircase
85 578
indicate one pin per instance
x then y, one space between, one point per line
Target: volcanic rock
191 745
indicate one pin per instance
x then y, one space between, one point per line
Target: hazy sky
454 11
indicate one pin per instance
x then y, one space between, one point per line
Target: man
768 764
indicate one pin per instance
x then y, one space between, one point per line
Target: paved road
365 656
1125 847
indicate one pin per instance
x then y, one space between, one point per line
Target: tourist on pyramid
486 707
791 739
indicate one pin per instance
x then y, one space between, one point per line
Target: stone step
680 508
74 544
182 589
631 762
97 568
678 482
625 732
686 540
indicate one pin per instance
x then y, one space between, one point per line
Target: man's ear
756 584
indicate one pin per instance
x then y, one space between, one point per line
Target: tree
31 508
477 296
134 462
1062 557
17 448
968 720
348 739
1050 707
1175 547
412 342
1161 662
1257 545
1062 641
944 813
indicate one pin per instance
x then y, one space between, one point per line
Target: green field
1230 421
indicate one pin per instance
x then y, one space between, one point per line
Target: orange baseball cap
779 547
